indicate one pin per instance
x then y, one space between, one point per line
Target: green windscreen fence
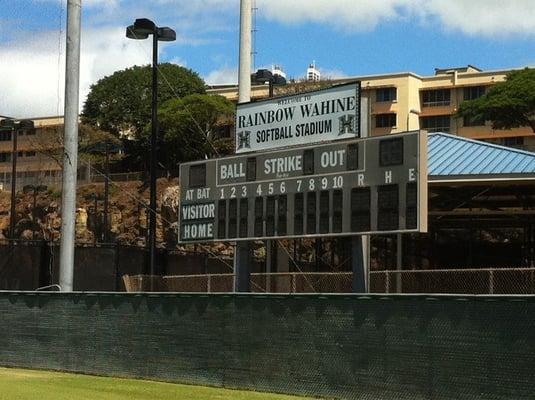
341 346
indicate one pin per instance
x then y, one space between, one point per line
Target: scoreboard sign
361 186
305 118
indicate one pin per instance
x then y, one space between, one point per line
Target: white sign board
305 118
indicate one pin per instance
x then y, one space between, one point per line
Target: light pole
262 76
14 127
141 29
35 189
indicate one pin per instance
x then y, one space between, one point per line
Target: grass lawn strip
24 384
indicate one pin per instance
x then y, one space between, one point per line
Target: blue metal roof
450 155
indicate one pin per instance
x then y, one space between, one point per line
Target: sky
343 37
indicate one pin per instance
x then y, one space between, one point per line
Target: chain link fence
279 282
451 281
455 281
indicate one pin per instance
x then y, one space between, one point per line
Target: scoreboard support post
360 263
399 261
242 266
357 265
360 244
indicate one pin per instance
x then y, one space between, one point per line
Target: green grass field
23 384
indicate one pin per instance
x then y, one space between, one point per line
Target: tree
508 104
121 103
195 127
50 143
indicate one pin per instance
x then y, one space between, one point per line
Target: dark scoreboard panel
361 186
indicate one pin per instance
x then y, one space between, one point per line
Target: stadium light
141 29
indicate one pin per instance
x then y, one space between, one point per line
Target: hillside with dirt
39 216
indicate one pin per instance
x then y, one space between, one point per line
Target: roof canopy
455 158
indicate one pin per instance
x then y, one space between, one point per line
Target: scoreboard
361 186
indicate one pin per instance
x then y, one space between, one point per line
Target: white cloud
472 17
86 3
225 75
345 15
33 78
178 61
484 17
332 73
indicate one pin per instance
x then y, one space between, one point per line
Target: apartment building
38 153
405 101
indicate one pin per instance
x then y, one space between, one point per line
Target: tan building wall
411 90
38 154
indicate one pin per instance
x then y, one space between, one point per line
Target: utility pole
70 140
13 215
242 251
244 74
106 194
153 162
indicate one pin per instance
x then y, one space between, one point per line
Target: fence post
387 282
491 281
209 284
116 265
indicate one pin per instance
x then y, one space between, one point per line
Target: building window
20 154
5 157
439 123
385 120
434 98
468 121
5 136
473 92
30 154
386 94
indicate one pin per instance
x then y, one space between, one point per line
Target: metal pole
360 252
33 211
70 154
242 250
153 144
244 83
358 265
399 261
106 193
13 215
96 220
